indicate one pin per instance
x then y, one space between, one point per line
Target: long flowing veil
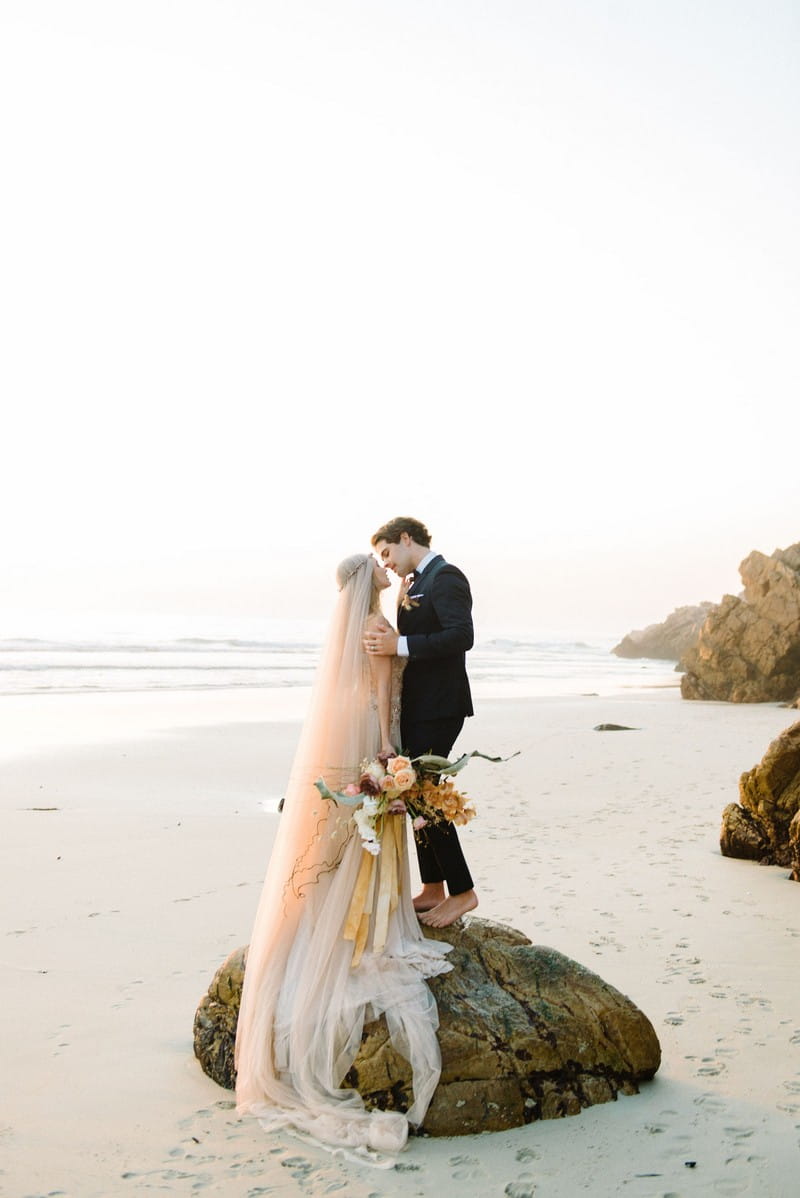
311 833
304 1001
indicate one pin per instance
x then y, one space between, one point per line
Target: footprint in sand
739 1133
711 1069
466 1168
300 1166
710 1103
526 1154
200 1180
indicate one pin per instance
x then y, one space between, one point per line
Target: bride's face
379 576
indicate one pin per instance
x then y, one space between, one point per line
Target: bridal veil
304 1004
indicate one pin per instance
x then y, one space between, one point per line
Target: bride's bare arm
381 670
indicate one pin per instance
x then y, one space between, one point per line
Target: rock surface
525 1034
668 640
748 650
765 824
794 847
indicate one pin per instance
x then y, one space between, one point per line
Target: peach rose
398 763
403 779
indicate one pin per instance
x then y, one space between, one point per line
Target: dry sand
134 843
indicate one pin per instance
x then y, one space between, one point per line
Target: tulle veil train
304 1005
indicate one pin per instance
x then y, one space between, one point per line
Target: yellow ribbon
358 900
388 885
356 927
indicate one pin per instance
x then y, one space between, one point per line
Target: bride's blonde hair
349 572
347 568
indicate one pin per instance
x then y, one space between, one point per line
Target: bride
305 999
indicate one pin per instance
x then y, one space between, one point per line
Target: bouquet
393 785
390 786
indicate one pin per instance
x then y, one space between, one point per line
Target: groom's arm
452 603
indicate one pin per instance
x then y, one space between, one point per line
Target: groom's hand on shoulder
382 642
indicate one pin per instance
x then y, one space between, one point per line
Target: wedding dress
305 1002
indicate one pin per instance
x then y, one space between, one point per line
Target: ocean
283 655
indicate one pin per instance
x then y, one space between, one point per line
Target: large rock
765 824
668 640
794 847
525 1034
748 650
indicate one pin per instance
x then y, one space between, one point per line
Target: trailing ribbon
364 900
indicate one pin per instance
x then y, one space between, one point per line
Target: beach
137 828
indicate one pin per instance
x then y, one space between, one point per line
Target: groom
435 631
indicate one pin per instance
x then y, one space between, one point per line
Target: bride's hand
386 752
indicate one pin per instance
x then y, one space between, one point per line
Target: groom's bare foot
431 895
450 910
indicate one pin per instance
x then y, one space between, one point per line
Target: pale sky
273 273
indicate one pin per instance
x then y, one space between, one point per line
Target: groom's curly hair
392 531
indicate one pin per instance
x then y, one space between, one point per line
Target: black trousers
439 852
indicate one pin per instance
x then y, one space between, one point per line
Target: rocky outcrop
794 847
748 650
765 824
668 640
525 1034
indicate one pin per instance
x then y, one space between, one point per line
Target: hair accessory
354 570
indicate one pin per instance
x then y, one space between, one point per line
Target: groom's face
397 555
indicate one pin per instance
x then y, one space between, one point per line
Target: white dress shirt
402 641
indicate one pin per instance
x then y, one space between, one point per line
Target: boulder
668 640
748 650
794 847
525 1034
742 835
765 824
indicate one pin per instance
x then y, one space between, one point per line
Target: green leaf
336 796
428 761
440 765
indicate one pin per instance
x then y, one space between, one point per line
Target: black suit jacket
438 627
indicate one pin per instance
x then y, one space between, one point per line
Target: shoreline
136 841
